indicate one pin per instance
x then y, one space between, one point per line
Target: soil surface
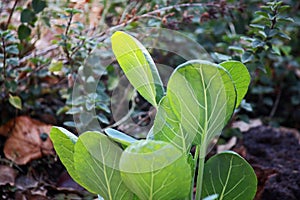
275 156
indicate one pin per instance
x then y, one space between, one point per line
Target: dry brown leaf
7 175
25 143
224 147
244 127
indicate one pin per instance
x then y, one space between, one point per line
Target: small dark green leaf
247 57
257 43
261 13
236 48
283 35
27 16
285 19
23 32
38 5
12 49
257 26
13 61
102 118
221 57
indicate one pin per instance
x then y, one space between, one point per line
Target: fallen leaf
244 127
227 146
28 139
26 182
7 175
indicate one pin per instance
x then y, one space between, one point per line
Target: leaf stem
194 170
201 160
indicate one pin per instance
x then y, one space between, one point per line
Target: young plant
199 100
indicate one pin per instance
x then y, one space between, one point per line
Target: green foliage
146 170
150 87
263 36
200 99
15 101
227 175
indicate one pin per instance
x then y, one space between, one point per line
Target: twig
11 13
153 13
273 111
66 38
39 53
4 58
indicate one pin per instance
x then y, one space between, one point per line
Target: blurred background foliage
46 46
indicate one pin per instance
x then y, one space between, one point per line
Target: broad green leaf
240 76
156 170
202 96
230 176
15 101
119 137
64 142
138 66
96 161
168 128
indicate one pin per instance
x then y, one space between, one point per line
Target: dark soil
275 156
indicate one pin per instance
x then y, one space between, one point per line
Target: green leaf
240 77
230 176
27 16
168 128
247 57
96 160
15 101
55 66
257 43
138 66
38 5
285 19
13 61
261 13
12 49
119 137
23 32
156 170
202 97
64 142
236 48
102 118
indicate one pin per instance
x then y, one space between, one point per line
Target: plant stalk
4 58
11 13
194 171
201 160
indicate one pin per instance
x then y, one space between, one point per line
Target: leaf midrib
227 179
